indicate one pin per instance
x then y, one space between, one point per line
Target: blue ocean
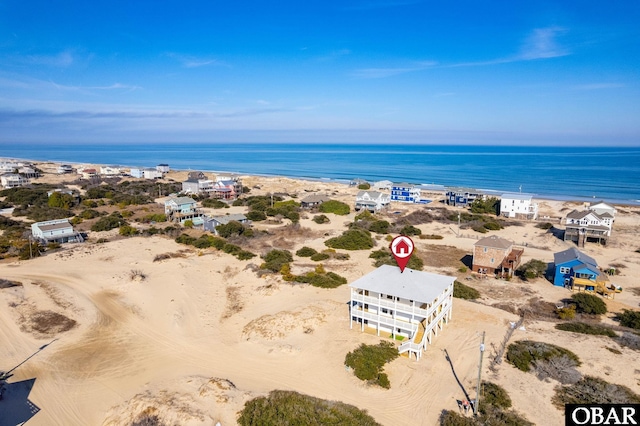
570 173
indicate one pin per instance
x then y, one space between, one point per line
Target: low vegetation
544 225
490 205
545 359
532 269
206 241
367 362
320 219
629 318
592 390
351 239
463 291
306 252
284 408
107 223
384 257
335 207
589 304
317 278
584 328
275 259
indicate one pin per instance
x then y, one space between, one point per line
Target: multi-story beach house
64 169
495 255
462 197
412 305
181 209
163 168
55 231
372 201
313 200
572 263
13 180
110 171
520 206
88 173
28 172
405 193
587 226
382 185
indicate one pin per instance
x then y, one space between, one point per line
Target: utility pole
475 406
458 224
30 250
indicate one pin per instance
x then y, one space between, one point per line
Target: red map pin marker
402 248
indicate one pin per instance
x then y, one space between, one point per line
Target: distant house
603 209
13 180
196 176
88 173
210 223
358 182
587 226
151 174
110 171
412 305
9 166
572 263
496 256
64 169
28 172
136 173
226 189
55 231
462 197
181 209
519 206
313 200
373 201
405 193
382 185
233 182
163 168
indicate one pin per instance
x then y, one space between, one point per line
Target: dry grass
137 275
165 256
48 322
441 256
8 283
234 302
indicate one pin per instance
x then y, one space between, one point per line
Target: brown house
495 255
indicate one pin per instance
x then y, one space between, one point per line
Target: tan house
495 255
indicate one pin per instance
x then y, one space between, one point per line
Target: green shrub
185 239
463 291
188 223
384 257
107 223
232 228
89 214
431 237
544 225
379 227
364 186
567 313
492 226
30 250
127 230
274 259
245 255
629 318
525 353
61 200
489 205
256 216
335 207
592 390
410 230
589 304
318 257
321 279
320 219
213 203
493 395
584 328
154 217
306 252
352 239
281 408
479 228
232 249
367 361
532 269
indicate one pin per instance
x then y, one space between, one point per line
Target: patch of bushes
544 225
463 291
490 205
214 203
592 390
431 237
567 313
351 239
89 214
629 318
306 252
589 304
106 223
364 186
584 328
320 278
206 241
154 217
379 227
410 230
532 269
367 362
127 231
335 207
233 228
282 408
546 359
320 219
256 216
318 257
275 259
384 257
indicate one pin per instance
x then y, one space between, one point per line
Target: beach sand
202 333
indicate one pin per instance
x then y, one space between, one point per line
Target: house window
565 270
492 260
389 297
484 249
385 311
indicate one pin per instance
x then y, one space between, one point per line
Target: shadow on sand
15 406
466 394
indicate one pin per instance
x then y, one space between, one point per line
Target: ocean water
607 173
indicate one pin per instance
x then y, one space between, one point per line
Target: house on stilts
412 304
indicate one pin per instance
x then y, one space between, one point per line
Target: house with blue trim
462 196
572 263
405 193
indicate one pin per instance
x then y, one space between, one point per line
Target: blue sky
384 71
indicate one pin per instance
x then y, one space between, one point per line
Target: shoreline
429 188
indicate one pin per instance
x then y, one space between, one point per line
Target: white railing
400 307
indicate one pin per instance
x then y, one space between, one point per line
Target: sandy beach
202 333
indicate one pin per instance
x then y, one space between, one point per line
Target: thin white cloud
335 54
542 43
391 71
598 86
114 86
189 61
61 60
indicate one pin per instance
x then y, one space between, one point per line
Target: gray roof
55 226
495 242
420 286
315 198
238 217
181 200
373 194
575 214
573 254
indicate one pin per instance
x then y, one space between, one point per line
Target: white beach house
518 205
412 304
373 201
58 231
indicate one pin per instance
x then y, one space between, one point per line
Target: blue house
572 263
462 196
405 193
